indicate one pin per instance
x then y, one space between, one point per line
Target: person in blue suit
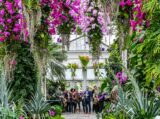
88 98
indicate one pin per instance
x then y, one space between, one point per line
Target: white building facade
78 46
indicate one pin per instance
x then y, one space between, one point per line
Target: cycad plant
8 110
5 111
149 109
136 104
37 107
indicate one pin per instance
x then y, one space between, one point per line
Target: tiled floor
79 116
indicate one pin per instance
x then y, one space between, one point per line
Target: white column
72 84
45 88
84 79
124 58
73 81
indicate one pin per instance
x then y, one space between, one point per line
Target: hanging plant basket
84 61
73 67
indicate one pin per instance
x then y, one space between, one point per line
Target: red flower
52 113
141 40
147 23
133 24
21 117
138 1
129 3
12 62
2 38
122 3
52 31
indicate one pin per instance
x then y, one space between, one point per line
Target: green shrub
109 117
37 107
57 109
57 117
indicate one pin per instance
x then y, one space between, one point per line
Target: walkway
79 116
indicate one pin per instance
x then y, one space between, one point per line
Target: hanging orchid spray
122 77
59 20
89 16
137 17
10 20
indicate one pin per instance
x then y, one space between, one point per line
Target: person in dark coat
69 102
84 103
95 104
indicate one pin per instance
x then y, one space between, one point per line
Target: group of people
88 100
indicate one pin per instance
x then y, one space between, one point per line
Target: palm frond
55 58
57 69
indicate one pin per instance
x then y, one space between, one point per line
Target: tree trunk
124 58
33 19
123 52
9 65
84 79
65 41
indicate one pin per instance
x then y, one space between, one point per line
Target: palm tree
54 65
55 58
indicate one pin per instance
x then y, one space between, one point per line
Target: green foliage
8 109
52 87
19 109
24 82
96 67
58 112
55 52
134 104
4 90
78 31
112 64
145 56
37 107
107 84
84 61
151 6
123 26
57 109
6 113
148 110
95 38
54 117
114 60
109 117
57 117
73 68
65 28
55 57
31 4
67 25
